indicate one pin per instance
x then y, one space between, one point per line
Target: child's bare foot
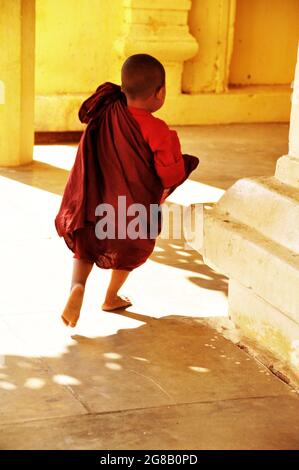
72 309
116 303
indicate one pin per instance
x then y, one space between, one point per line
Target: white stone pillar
287 168
252 236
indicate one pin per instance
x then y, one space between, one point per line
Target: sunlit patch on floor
112 355
113 366
199 369
34 383
65 380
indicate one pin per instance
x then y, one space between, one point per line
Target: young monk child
125 154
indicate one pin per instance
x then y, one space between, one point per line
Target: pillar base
266 328
287 170
252 236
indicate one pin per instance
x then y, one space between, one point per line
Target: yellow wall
81 43
73 44
207 46
265 42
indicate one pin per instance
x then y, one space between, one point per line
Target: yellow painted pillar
159 28
17 26
212 24
287 167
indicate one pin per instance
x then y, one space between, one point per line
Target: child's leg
81 271
112 300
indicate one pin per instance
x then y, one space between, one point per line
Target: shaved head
142 75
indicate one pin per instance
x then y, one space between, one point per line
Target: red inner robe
122 152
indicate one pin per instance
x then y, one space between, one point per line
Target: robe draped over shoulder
113 160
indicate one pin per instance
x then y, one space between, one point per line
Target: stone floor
157 376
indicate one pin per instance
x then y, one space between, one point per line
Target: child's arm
168 160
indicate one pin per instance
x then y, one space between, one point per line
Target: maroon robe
113 160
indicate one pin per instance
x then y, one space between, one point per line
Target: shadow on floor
176 254
151 364
171 382
39 175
